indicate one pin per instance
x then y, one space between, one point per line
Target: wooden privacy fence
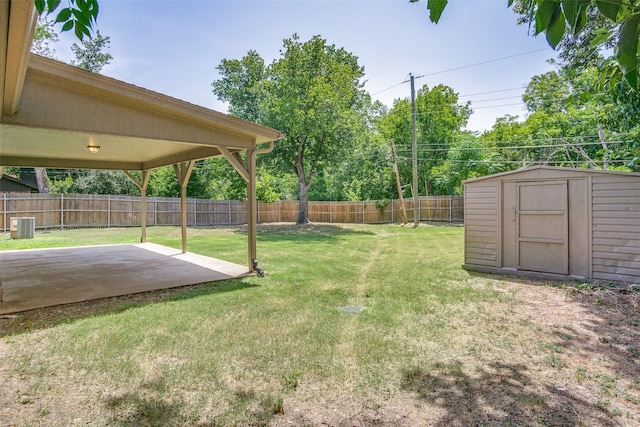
85 211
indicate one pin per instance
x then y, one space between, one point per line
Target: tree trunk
43 181
303 212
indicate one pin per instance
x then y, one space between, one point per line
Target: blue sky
173 47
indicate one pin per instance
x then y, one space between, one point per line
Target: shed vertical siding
481 202
616 228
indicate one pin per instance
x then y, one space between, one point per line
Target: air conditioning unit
22 227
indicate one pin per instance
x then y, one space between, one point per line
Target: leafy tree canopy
312 93
439 120
43 37
91 55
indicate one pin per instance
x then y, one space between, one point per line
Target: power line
495 99
466 66
522 162
389 88
483 62
497 106
492 91
521 147
525 141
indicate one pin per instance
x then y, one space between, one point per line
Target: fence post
195 212
229 210
363 212
330 213
279 211
109 211
4 210
393 205
62 211
450 208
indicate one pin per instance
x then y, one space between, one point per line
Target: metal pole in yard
450 207
414 154
62 211
109 211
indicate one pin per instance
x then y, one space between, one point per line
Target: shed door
542 226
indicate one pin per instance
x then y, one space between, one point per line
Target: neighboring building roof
554 169
9 183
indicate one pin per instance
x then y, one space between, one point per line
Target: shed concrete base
525 273
45 277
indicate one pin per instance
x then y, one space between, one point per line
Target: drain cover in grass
351 308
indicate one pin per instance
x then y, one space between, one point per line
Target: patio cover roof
64 109
52 112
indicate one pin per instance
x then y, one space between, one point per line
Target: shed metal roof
576 171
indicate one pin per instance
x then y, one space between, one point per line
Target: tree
241 84
466 159
547 92
164 183
573 131
43 37
439 119
312 93
90 55
75 181
556 18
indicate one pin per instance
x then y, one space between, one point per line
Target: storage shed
557 222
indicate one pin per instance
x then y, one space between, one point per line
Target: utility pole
414 154
395 170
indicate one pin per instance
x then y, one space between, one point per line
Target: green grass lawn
255 351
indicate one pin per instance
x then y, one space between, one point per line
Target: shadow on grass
46 317
499 394
146 407
154 404
310 233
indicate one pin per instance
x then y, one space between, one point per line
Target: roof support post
252 210
142 185
252 201
183 172
143 205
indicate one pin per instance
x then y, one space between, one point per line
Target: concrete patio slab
37 278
